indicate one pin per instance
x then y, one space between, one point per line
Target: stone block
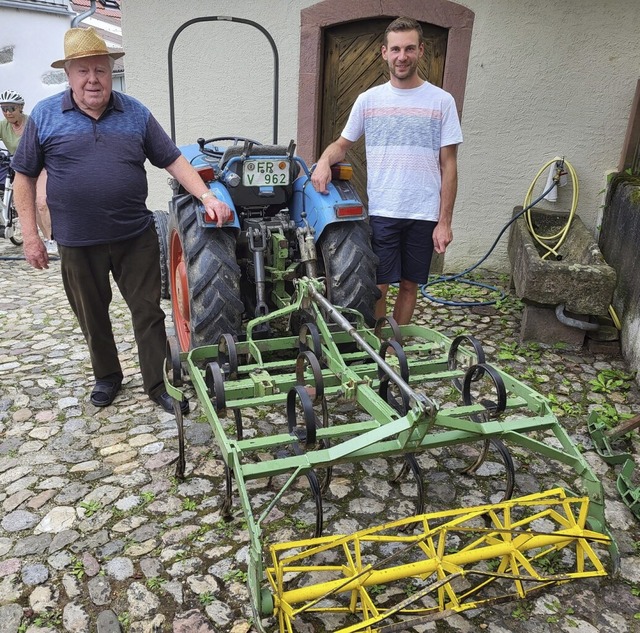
609 348
580 280
540 324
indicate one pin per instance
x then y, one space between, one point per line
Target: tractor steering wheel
216 154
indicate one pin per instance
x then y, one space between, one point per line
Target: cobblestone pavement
96 534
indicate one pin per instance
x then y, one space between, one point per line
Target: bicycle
9 216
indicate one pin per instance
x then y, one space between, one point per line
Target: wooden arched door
352 64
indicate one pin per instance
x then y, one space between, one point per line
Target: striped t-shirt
404 130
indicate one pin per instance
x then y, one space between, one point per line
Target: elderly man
93 143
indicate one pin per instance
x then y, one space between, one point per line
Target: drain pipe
81 16
581 325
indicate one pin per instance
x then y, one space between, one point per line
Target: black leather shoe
166 402
105 392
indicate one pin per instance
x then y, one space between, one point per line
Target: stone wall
619 239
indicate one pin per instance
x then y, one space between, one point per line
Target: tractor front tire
205 278
350 267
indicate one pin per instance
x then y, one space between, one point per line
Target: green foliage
90 507
410 588
532 375
508 351
200 533
493 564
174 486
189 504
77 568
237 574
125 619
609 415
559 408
299 524
522 611
51 618
610 380
147 497
224 528
155 583
550 563
182 555
205 598
375 590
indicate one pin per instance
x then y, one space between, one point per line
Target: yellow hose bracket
445 562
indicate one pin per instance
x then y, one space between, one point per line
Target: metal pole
337 318
223 18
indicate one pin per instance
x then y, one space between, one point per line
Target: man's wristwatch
208 194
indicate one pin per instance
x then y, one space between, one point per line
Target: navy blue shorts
404 247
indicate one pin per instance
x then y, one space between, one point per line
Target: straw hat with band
83 43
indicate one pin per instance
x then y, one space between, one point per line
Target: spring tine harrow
301 376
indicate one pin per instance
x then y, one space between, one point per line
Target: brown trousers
135 267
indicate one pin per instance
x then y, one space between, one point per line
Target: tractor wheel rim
180 294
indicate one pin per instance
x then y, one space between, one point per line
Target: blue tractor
282 229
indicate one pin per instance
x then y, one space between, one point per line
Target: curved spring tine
174 365
508 465
214 379
308 359
452 361
473 374
228 355
492 409
328 471
310 329
181 462
228 500
383 388
393 324
308 435
174 372
317 495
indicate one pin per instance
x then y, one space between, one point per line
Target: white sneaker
51 246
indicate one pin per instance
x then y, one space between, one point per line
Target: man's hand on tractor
216 209
336 152
321 177
35 252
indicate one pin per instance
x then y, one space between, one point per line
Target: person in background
412 132
11 129
94 143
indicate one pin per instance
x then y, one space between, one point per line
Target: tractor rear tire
205 279
350 267
161 220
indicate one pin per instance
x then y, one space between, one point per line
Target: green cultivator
386 372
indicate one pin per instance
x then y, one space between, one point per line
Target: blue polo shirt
97 183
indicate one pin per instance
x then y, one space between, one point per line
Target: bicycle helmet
11 96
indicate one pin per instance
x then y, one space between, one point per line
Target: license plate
265 172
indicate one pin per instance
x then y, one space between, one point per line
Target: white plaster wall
545 79
223 71
38 40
